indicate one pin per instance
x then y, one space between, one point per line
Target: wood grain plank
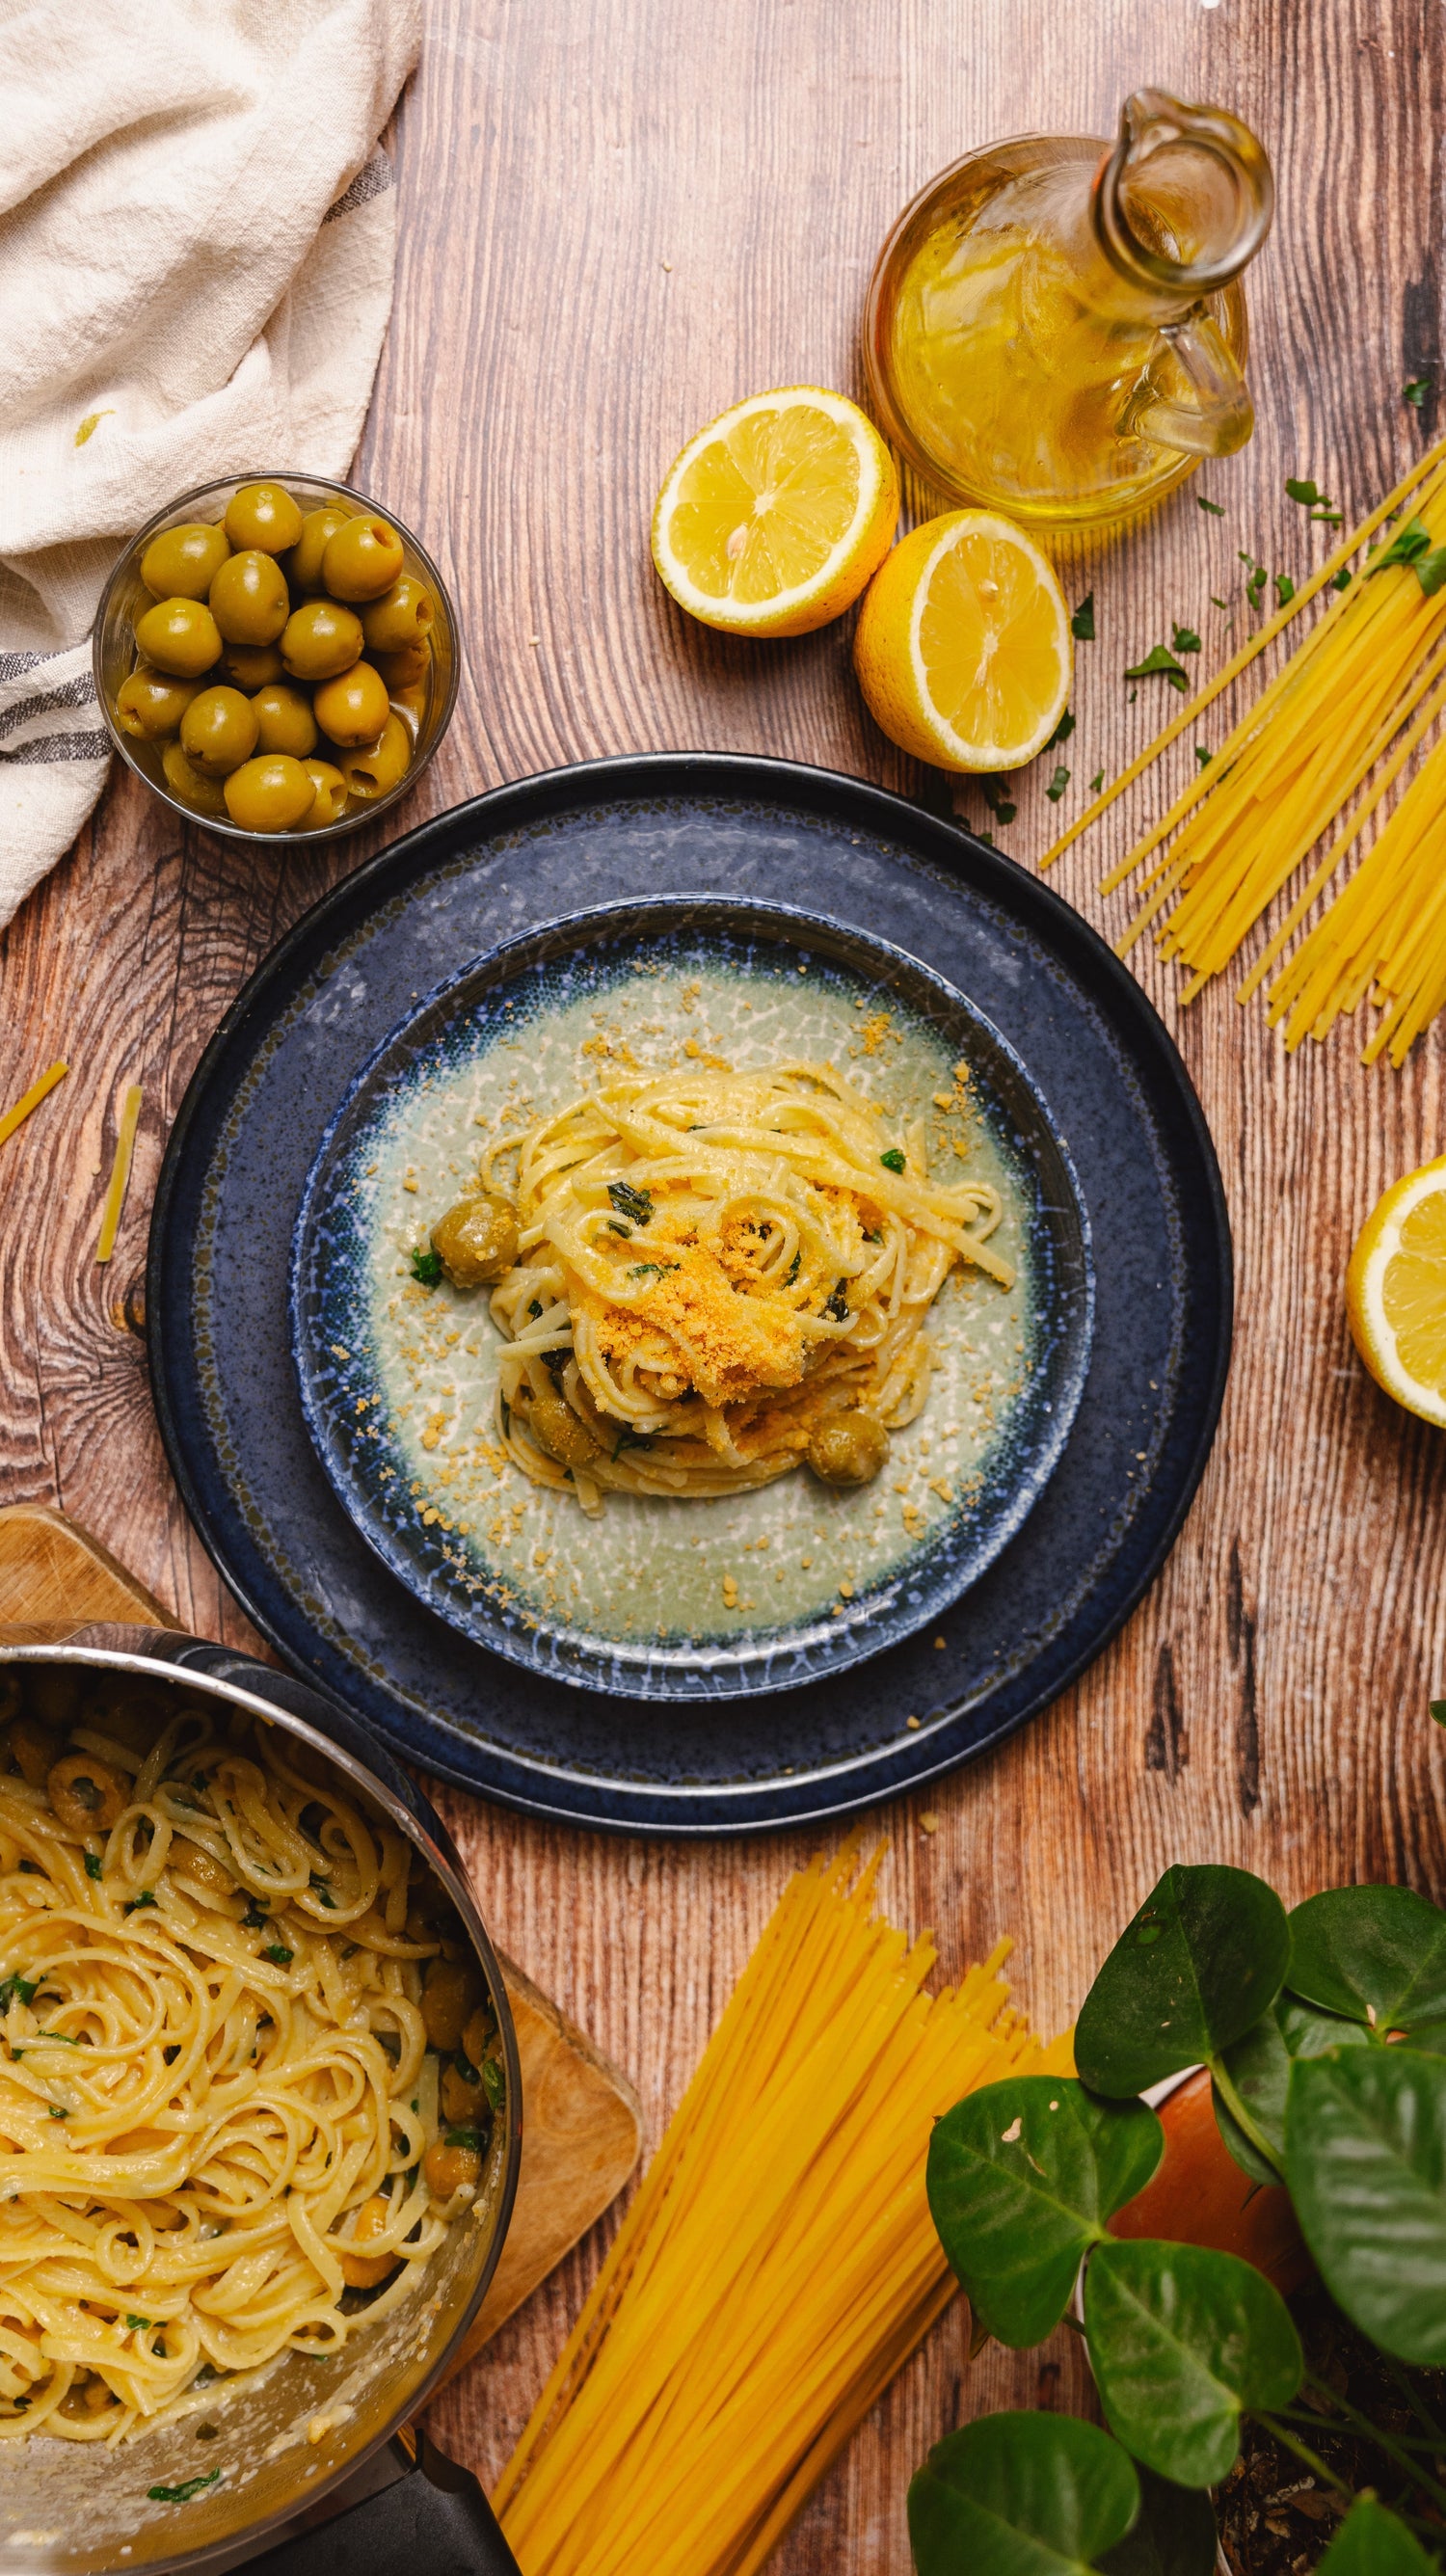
616 218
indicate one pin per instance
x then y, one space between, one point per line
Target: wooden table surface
616 217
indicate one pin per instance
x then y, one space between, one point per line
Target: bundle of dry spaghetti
1326 739
778 2264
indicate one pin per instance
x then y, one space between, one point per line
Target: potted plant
1324 2036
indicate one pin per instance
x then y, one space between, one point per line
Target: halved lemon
776 515
963 646
1396 1292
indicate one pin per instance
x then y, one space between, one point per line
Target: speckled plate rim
964 1730
923 1585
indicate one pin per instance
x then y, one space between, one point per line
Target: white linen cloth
197 239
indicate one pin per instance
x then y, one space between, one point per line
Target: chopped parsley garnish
1097 782
1215 508
92 1864
1342 580
138 2325
793 1269
630 1439
1407 543
62 2035
996 800
1185 640
1284 589
653 1269
1430 570
188 2488
10 1987
1159 659
1082 624
319 1888
535 1308
426 1266
1416 391
278 1951
1062 731
629 1202
893 1160
1217 602
1202 755
133 1904
838 1305
494 2083
1308 494
1057 784
58 2111
255 1917
463 2138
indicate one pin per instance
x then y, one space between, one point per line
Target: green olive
329 803
353 707
251 666
377 767
476 1240
395 620
249 598
191 786
363 558
848 1448
182 563
150 704
321 640
463 2098
269 794
179 636
263 516
218 731
450 1992
556 1428
285 720
403 670
303 565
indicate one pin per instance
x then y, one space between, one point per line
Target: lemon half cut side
963 648
1396 1292
777 515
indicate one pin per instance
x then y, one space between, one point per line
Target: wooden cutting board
581 2124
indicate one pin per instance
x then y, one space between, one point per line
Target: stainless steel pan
321 2477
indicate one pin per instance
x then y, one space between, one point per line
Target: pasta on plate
249 2070
705 1277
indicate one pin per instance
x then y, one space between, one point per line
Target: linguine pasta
711 1265
236 2103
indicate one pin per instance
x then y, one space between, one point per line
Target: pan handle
434 2519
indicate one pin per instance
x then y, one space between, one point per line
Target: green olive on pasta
450 1990
476 1241
558 1430
848 1448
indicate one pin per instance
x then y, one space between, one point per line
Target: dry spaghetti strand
778 2264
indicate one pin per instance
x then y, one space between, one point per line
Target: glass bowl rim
227 830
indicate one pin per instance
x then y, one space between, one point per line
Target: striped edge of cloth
53 755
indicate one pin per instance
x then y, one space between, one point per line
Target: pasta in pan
249 2070
711 1275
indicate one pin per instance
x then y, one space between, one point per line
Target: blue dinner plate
632 1603
496 870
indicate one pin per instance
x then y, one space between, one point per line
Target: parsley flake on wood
1416 391
1062 731
1284 589
1342 579
426 1266
1215 508
998 803
1097 782
1082 624
893 1160
1057 784
1203 756
1159 659
188 2488
629 1202
1184 639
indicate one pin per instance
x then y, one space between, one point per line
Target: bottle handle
1221 416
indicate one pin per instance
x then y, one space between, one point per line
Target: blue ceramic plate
397 1380
628 831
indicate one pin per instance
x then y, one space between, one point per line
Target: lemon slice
1396 1292
777 514
963 646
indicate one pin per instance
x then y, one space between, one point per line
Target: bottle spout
1184 201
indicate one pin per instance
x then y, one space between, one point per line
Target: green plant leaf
1182 2339
1308 2033
1373 1954
1021 2495
1203 1959
1022 2177
1259 2068
1365 2159
1371 2542
1175 2533
1082 624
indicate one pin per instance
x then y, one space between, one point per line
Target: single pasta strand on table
778 2263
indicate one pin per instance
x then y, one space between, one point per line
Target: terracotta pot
1199 2196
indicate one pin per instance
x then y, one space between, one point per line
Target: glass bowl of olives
276 657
